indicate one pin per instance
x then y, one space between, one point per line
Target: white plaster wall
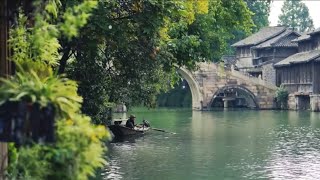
244 62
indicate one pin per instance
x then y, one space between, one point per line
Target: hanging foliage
78 148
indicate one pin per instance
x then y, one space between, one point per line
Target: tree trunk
64 59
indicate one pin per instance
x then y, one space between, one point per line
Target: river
240 144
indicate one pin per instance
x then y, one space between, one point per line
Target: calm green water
220 145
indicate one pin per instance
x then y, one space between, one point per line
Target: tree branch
64 59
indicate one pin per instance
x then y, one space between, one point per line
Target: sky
314 11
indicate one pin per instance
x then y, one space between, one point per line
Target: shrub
282 96
76 154
79 148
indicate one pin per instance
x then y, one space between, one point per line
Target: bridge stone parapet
209 79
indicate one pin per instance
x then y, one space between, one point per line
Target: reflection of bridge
212 84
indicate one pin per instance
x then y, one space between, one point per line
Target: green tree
179 96
261 12
129 50
116 55
205 39
79 147
295 14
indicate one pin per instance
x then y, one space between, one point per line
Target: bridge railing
252 79
225 71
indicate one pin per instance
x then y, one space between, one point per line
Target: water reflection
220 145
296 152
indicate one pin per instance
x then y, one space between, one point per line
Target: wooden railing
298 87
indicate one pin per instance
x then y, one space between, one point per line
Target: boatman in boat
130 122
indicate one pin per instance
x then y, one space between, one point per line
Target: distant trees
261 11
295 14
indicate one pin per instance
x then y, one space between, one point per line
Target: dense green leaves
76 17
79 149
129 50
295 14
180 96
75 156
116 56
282 96
261 12
29 87
206 38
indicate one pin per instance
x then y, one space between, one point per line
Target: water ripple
223 145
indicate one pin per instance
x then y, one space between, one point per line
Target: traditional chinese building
258 53
300 73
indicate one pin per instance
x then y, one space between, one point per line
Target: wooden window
285 75
238 52
309 73
302 73
291 75
305 73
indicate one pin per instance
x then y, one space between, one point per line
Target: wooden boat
122 131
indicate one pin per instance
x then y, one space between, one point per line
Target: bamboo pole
5 70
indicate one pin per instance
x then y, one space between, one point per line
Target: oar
162 130
156 129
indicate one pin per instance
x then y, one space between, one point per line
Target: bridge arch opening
233 96
197 98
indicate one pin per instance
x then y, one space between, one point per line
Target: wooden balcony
299 87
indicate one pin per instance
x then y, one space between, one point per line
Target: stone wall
244 62
292 102
269 73
305 102
315 102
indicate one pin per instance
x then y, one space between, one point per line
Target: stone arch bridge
212 85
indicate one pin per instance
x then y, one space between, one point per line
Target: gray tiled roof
315 31
303 37
286 42
299 58
255 70
229 59
282 40
261 36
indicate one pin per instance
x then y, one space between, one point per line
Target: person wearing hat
130 122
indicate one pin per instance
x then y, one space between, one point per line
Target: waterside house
300 73
258 53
